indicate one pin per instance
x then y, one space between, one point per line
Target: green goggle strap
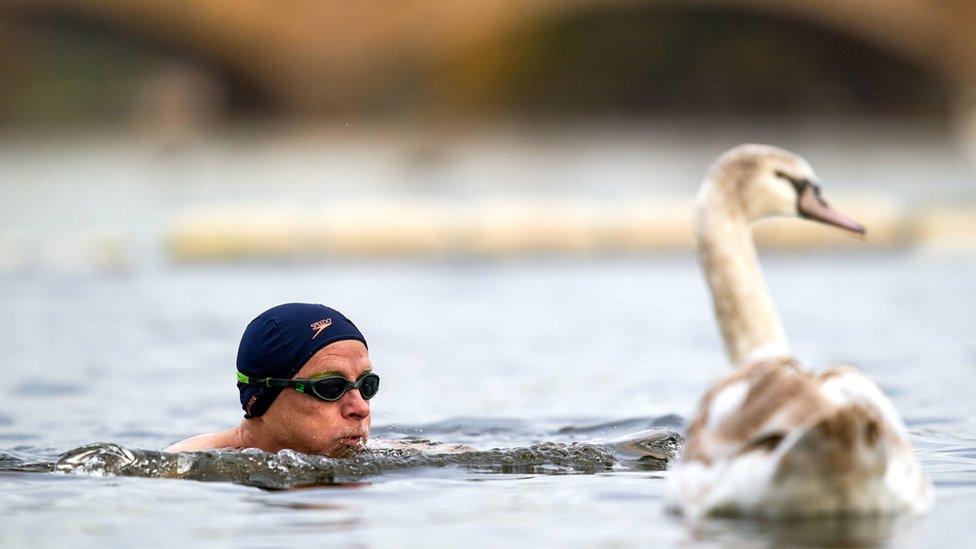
271 382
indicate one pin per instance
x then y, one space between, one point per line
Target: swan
772 439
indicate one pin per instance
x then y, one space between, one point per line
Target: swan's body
772 439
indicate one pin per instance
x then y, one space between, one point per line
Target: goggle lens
369 385
333 388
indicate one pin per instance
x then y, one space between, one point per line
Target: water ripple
648 450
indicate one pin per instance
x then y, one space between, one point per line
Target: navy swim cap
280 341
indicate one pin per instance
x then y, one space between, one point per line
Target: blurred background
499 193
135 134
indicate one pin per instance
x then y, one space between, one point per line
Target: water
561 365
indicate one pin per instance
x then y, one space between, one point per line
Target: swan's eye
799 183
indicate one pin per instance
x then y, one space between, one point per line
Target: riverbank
554 225
115 203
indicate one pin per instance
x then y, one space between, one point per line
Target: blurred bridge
315 56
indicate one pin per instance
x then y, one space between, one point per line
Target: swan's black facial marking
802 186
799 183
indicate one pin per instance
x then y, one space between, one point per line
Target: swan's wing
754 407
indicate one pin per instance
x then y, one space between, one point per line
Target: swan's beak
811 205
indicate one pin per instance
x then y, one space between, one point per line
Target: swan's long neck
744 309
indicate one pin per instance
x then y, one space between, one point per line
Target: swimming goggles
329 388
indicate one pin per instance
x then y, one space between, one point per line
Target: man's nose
354 406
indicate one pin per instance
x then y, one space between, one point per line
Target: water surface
552 362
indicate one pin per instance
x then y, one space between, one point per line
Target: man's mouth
355 440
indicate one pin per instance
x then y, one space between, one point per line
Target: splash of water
648 450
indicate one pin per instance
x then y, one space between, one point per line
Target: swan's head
760 181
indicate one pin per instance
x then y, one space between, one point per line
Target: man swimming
319 355
305 381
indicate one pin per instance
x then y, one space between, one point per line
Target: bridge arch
334 57
697 59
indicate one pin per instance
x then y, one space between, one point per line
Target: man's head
303 341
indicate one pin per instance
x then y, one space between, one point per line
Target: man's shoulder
207 441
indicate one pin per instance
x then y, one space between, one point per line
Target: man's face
310 425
